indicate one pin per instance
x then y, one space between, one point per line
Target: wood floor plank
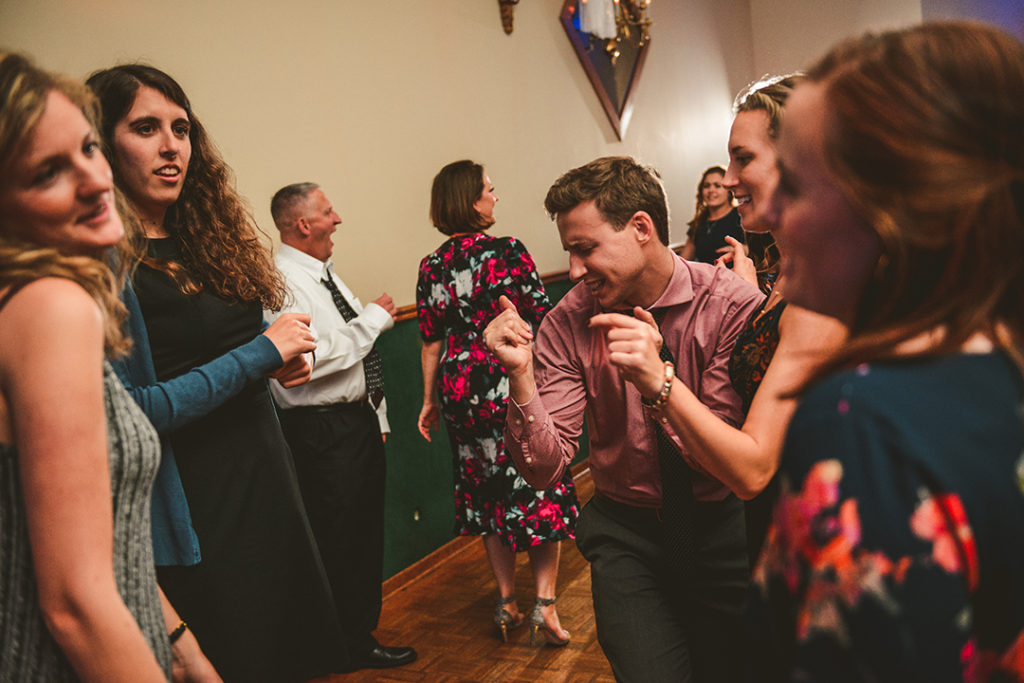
444 609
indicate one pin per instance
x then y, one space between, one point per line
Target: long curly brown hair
216 231
23 92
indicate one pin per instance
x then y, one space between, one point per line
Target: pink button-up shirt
705 308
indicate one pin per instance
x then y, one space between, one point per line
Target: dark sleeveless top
754 349
710 235
29 651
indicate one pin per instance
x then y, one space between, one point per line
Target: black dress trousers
340 463
653 626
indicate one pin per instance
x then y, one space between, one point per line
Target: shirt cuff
378 317
382 416
525 419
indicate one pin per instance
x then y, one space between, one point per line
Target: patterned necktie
677 502
372 363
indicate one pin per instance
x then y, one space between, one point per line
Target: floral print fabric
897 547
456 297
753 352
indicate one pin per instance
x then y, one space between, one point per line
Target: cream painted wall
371 106
789 34
371 98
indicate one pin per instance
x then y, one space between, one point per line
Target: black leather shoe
383 657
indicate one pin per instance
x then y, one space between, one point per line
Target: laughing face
152 150
609 262
751 176
321 220
59 191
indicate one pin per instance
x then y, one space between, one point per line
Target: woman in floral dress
897 547
457 295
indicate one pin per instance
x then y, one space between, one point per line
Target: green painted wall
419 509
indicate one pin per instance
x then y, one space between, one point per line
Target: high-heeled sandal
505 620
537 623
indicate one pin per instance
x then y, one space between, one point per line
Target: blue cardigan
174 403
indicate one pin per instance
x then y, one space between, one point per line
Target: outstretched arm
342 345
743 459
178 401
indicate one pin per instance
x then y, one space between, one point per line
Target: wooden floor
444 609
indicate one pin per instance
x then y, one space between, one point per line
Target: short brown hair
456 188
618 186
286 199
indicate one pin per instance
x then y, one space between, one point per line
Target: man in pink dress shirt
612 218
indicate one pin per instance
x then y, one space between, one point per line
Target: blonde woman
78 591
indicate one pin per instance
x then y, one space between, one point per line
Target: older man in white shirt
336 422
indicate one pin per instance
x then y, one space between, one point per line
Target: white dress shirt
340 346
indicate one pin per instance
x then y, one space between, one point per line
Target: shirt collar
680 286
315 268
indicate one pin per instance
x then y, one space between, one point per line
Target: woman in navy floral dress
456 296
896 551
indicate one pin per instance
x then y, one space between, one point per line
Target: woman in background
258 601
714 218
897 550
456 295
78 591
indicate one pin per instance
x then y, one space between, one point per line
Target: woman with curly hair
258 601
78 592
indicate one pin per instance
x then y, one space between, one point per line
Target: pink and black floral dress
456 297
896 551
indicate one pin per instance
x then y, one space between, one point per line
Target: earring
881 267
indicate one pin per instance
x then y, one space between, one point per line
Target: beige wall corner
789 34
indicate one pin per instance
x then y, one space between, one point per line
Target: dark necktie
372 363
677 502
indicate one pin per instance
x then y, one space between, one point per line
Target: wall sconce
611 39
507 8
614 22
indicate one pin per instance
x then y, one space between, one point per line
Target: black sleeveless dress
258 602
